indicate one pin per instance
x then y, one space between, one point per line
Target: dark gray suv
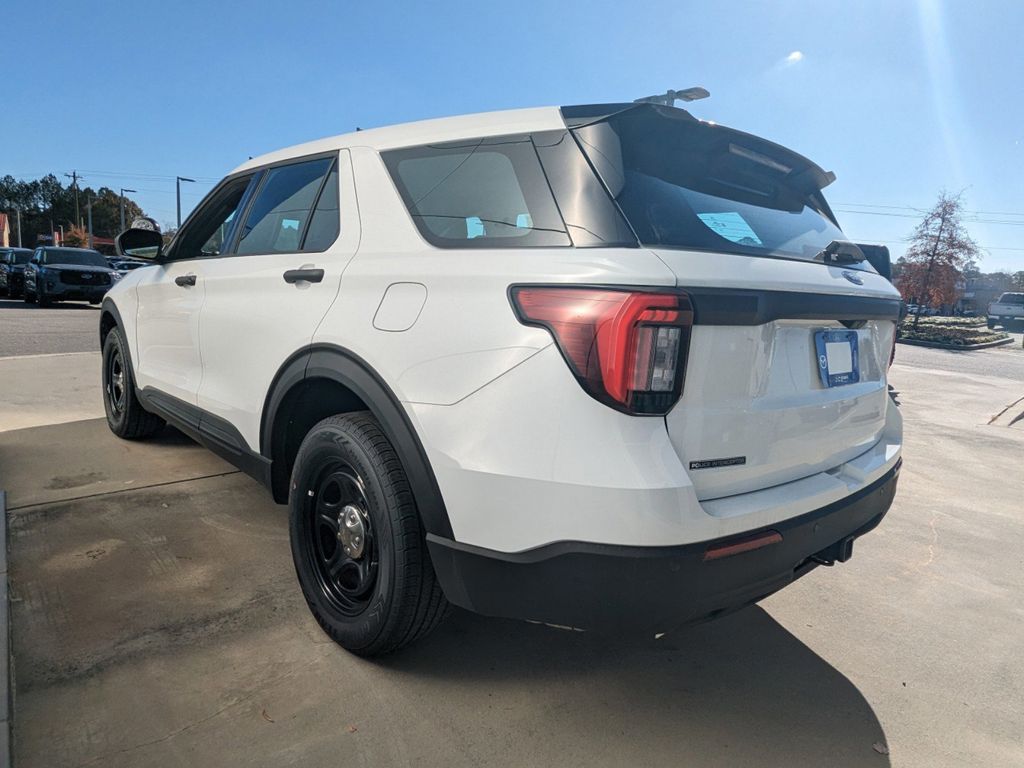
12 270
67 274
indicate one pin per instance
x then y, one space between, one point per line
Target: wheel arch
110 318
323 380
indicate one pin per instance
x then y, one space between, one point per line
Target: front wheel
125 415
358 546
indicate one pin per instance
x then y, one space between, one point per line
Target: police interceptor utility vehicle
603 366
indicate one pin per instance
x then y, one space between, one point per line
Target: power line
972 219
925 210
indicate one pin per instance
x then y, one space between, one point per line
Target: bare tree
939 252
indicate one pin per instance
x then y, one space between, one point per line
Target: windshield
686 184
1012 298
74 256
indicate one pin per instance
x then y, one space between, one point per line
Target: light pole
123 190
178 181
88 208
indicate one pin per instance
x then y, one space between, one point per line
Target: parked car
12 270
56 273
122 267
602 367
1007 312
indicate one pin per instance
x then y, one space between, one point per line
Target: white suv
599 366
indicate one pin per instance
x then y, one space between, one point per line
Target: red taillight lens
626 348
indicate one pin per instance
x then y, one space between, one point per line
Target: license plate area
837 358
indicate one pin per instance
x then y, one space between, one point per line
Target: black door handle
308 275
184 280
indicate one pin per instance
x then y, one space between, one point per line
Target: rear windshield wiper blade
840 252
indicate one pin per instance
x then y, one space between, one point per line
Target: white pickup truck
1007 312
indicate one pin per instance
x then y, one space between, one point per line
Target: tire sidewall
113 343
325 445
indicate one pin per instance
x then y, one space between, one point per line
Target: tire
348 480
125 415
26 296
43 301
990 324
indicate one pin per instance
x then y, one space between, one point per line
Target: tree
1018 281
940 251
46 205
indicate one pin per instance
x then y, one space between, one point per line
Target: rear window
1012 298
489 193
682 183
19 257
75 257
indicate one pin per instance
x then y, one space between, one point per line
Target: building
5 230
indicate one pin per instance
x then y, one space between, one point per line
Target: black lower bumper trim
652 589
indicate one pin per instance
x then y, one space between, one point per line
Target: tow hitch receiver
839 552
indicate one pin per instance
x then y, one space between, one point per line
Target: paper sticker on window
731 226
474 227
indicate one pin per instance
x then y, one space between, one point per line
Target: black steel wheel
125 415
358 545
339 539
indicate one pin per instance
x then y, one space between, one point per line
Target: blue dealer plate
837 357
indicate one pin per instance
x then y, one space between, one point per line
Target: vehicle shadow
741 690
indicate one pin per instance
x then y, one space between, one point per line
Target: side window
209 228
282 207
324 227
489 193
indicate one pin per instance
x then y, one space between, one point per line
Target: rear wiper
840 252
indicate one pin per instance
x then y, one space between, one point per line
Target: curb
956 347
6 668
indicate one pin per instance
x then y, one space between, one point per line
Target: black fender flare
329 361
109 307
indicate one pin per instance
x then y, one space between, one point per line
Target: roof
424 132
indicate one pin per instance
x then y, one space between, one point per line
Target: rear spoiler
801 173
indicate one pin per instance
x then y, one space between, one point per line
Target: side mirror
140 244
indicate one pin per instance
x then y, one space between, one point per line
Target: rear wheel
125 415
359 549
27 297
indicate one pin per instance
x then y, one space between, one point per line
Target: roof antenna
669 98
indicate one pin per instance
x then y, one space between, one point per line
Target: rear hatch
743 225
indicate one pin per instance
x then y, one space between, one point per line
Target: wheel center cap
352 531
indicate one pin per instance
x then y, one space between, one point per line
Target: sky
900 98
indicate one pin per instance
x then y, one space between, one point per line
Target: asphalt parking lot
156 620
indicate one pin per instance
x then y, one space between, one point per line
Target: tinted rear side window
489 193
325 224
279 213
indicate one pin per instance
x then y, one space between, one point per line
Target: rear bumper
652 589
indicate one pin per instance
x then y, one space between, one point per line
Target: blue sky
900 99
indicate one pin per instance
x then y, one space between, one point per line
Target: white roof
424 132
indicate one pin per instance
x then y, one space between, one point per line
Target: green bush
949 334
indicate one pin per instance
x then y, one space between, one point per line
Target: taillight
626 348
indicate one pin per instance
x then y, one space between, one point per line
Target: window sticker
731 226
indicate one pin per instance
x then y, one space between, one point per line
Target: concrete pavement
157 622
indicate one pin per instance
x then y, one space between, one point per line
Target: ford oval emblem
853 277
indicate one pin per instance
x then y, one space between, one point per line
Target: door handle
184 280
308 275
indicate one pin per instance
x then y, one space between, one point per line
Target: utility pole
123 190
74 185
178 182
88 208
18 210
